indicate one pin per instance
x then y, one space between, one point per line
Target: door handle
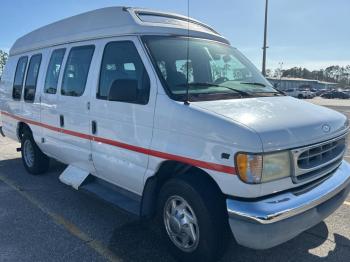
94 127
61 121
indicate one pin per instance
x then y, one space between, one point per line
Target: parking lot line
347 203
67 225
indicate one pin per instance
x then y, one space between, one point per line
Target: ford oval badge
326 128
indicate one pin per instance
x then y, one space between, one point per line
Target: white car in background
157 114
299 93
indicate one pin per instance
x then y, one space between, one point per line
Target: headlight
259 168
276 166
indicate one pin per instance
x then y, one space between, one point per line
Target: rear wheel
193 224
34 160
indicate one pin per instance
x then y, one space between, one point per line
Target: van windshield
210 70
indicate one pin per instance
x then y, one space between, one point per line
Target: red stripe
207 165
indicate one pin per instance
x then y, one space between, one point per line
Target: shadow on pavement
7 166
141 241
138 242
296 249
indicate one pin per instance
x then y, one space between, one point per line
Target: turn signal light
249 167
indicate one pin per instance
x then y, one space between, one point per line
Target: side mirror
124 90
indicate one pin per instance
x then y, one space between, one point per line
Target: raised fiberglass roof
112 21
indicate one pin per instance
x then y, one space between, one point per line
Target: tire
300 96
34 160
202 205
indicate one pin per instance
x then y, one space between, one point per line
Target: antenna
187 99
265 36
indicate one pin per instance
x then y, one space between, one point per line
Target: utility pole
281 68
265 40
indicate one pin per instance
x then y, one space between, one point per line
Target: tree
3 59
335 74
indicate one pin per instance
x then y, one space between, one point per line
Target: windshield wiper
253 83
206 84
278 92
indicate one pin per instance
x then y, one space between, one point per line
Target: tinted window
121 61
77 70
19 77
53 71
32 77
199 69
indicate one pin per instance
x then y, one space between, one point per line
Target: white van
159 119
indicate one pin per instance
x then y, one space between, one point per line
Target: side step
112 194
73 176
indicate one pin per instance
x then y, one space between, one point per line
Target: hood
281 122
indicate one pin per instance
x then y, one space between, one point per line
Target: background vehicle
336 94
299 93
321 92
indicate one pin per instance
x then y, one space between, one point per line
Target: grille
321 154
319 159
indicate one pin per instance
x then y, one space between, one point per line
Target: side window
19 77
53 71
32 77
77 70
123 76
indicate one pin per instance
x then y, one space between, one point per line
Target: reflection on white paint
247 118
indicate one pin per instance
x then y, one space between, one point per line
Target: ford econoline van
157 114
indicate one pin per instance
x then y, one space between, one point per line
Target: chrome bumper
295 211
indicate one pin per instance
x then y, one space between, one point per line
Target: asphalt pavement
42 219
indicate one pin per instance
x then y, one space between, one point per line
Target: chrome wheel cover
181 223
28 153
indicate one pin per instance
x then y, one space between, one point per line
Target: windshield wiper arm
206 84
242 93
253 83
280 92
263 85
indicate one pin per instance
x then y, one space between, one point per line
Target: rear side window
19 77
122 63
53 71
32 78
77 70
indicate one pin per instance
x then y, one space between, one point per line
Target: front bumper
269 222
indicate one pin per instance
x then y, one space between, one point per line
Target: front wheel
181 223
192 225
34 161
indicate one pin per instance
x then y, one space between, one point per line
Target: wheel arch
21 128
167 170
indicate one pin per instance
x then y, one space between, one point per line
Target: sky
307 33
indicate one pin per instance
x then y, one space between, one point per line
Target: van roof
112 21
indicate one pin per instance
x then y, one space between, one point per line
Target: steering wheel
221 80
